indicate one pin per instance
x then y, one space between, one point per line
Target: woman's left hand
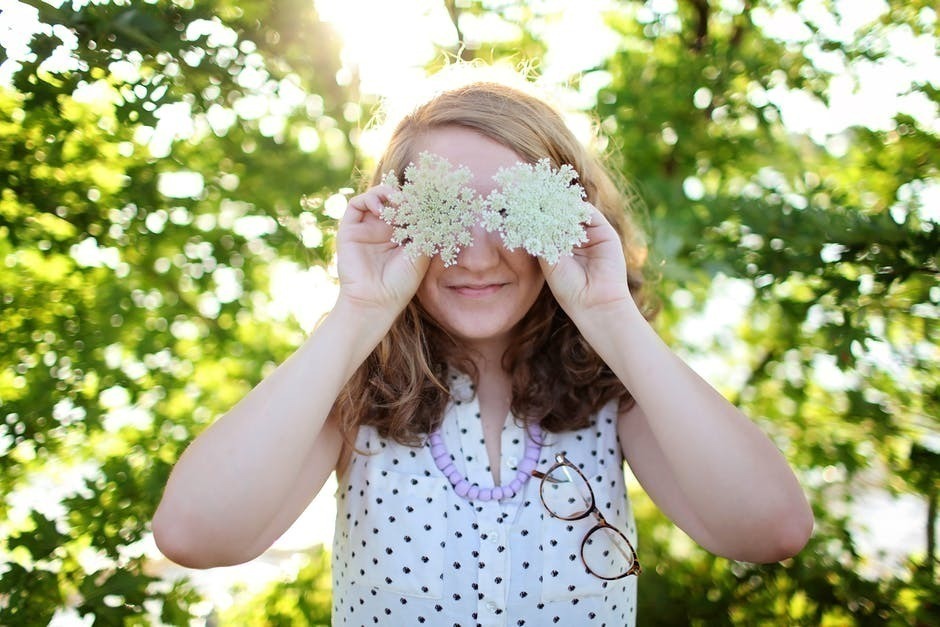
594 277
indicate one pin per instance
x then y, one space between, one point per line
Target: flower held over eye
538 208
434 210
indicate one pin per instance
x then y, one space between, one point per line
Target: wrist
345 337
354 325
369 317
624 339
613 328
606 317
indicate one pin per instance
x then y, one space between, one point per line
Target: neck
487 356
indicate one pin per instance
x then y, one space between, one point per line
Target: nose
483 252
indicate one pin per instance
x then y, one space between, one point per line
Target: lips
477 290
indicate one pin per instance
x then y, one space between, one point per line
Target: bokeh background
171 173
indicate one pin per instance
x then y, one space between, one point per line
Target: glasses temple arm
541 475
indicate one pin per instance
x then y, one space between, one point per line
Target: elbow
787 535
795 533
180 544
772 537
171 540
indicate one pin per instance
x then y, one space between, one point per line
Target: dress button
512 463
491 606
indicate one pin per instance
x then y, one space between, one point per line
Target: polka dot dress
409 551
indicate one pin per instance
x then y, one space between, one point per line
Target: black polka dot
440 546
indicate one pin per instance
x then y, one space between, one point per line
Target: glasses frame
562 462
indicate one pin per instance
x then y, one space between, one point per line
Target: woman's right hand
374 271
221 508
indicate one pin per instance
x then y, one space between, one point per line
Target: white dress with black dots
408 550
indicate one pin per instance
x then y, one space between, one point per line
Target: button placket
493 577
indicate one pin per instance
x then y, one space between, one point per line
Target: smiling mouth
477 290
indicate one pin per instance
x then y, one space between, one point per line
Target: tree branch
454 14
739 24
702 11
931 533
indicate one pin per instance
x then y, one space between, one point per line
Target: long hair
557 378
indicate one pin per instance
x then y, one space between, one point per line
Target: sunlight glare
387 43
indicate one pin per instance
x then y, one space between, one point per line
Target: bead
527 465
472 491
535 436
462 487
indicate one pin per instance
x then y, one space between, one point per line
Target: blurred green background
170 178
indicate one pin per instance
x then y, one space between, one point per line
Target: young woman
442 396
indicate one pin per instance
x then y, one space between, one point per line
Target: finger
360 207
420 263
548 269
377 199
596 218
384 192
597 230
367 203
354 213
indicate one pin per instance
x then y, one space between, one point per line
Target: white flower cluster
433 211
538 208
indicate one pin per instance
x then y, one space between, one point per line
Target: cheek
426 294
532 276
426 299
535 291
533 281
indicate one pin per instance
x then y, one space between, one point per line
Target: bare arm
247 477
719 479
704 462
269 454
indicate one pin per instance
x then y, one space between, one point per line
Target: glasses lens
607 553
566 494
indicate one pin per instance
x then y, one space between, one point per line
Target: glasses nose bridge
598 516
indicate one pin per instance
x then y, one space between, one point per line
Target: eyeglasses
566 494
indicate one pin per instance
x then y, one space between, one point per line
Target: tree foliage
305 599
839 267
151 185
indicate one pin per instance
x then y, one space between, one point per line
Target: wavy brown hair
557 378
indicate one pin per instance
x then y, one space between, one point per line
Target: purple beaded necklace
474 492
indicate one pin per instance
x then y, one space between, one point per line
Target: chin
473 332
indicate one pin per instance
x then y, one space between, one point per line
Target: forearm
732 476
234 478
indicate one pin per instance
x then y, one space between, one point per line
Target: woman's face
489 289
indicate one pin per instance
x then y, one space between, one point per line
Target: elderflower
434 211
538 208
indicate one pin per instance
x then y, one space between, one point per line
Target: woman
433 390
